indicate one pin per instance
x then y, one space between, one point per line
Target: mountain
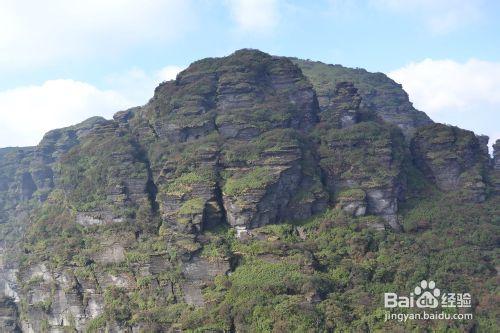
380 95
253 193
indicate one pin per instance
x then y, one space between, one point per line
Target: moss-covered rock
368 157
381 96
452 158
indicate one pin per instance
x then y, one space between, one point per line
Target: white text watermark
427 296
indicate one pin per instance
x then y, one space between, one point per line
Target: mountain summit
251 193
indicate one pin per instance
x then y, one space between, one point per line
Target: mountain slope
379 93
248 194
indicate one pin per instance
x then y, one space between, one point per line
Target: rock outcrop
237 120
106 177
452 158
27 173
341 108
363 168
198 273
380 95
496 166
496 155
9 317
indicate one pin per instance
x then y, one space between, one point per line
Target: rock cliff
496 166
236 180
452 158
380 95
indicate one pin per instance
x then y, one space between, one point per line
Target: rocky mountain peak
304 180
240 95
380 95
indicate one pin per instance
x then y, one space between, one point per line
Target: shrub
254 179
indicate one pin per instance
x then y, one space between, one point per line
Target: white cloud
440 16
34 33
255 15
465 94
437 85
30 111
168 73
138 85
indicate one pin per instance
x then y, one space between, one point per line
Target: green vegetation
99 165
182 184
441 144
379 93
117 304
250 152
192 206
370 153
349 266
254 179
96 324
352 194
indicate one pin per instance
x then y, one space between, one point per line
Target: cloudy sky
64 61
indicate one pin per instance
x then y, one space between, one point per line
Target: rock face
16 182
239 119
61 298
199 272
8 315
29 173
110 222
380 95
483 143
363 168
496 166
353 202
342 106
106 178
53 145
496 155
452 158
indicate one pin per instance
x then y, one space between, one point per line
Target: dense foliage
327 273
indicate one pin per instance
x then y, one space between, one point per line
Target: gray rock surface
198 272
452 158
380 95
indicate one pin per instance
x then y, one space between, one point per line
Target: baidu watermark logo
427 296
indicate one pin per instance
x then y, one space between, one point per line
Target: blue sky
62 61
